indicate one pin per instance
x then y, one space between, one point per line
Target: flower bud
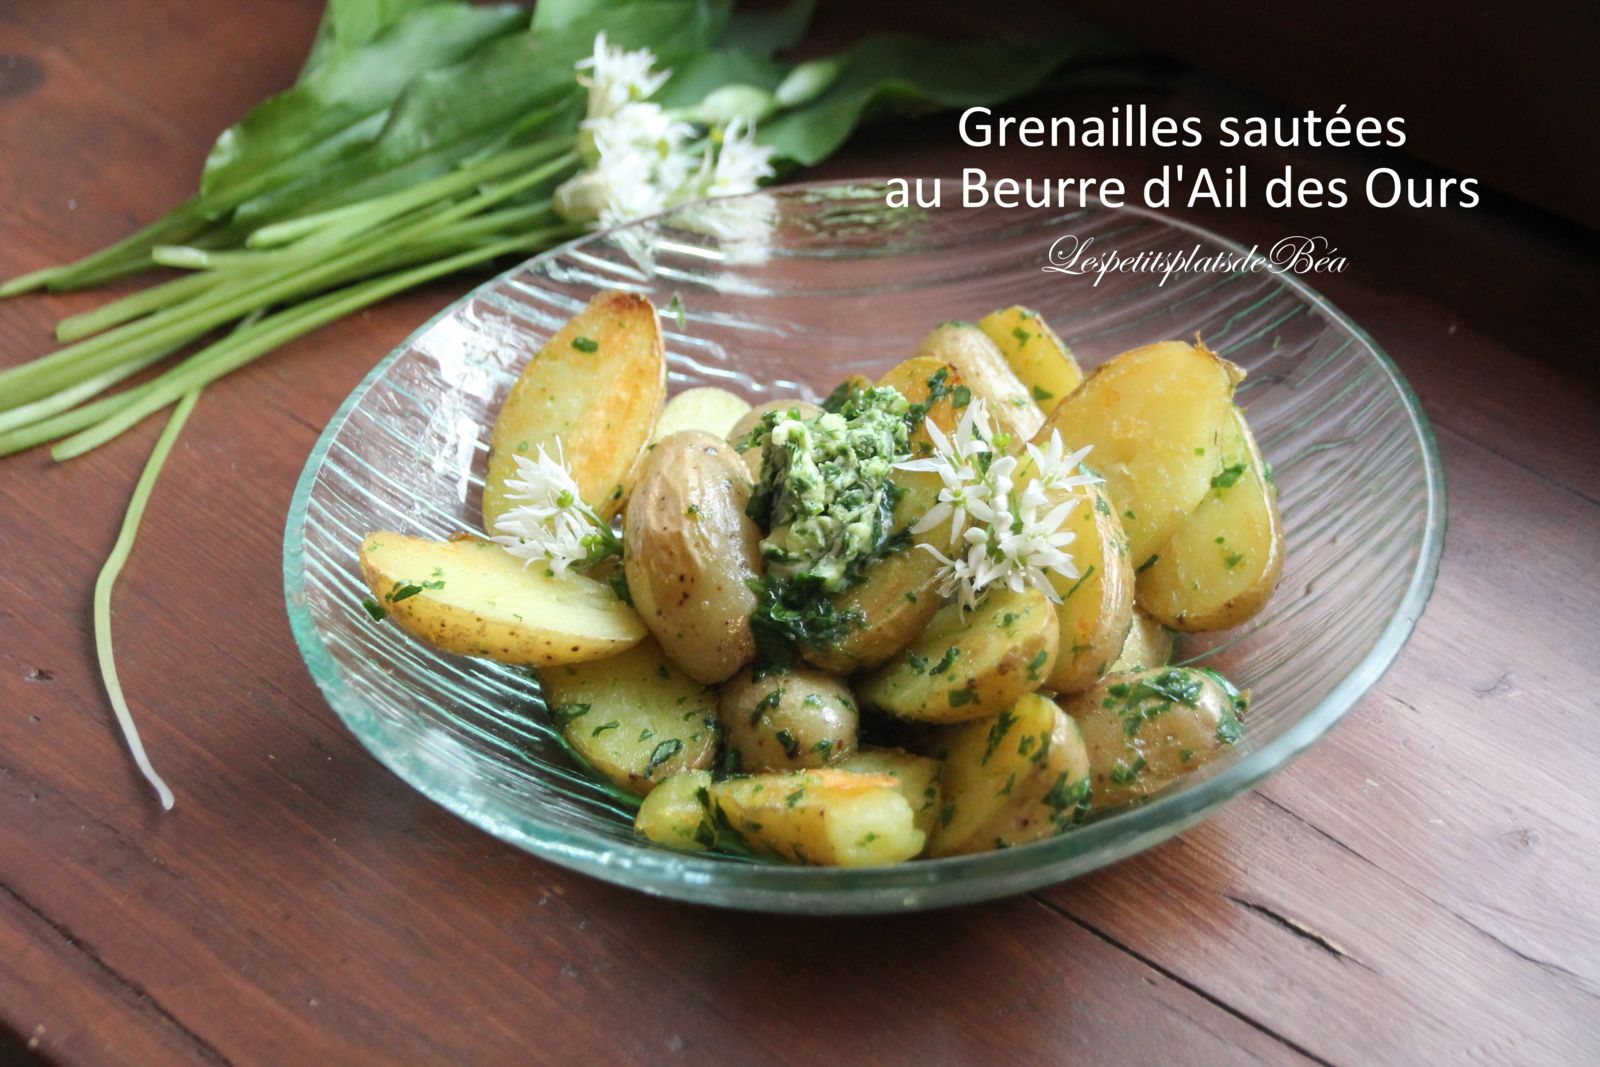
808 81
748 102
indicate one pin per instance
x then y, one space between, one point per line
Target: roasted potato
1096 607
983 369
1149 645
900 592
474 598
1145 728
677 813
636 717
1222 565
716 411
917 778
1016 777
1155 417
785 720
970 664
597 386
691 554
800 409
1035 354
827 818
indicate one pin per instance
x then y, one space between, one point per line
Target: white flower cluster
551 523
1003 532
643 159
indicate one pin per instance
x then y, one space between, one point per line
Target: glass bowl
805 285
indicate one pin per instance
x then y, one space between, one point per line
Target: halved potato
1149 645
690 553
1095 609
1035 354
917 778
1224 562
677 813
827 818
983 369
969 664
597 386
474 598
636 717
1016 777
900 592
1145 728
716 411
1155 417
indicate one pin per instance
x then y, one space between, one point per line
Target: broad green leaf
448 114
770 31
351 86
349 24
882 74
693 80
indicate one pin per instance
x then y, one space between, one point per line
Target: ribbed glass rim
909 886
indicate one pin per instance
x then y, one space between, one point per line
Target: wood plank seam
139 993
1300 930
1178 979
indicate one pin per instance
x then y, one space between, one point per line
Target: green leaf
351 86
888 73
448 114
349 24
702 75
767 32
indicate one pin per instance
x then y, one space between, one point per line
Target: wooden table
1421 887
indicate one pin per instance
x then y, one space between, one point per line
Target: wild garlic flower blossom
551 523
1002 533
643 159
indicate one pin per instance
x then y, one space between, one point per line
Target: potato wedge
1016 777
676 814
1144 729
1149 645
1096 607
636 717
983 369
801 409
1154 416
785 720
917 778
1224 562
969 664
1035 354
900 592
691 553
716 411
474 598
827 818
597 387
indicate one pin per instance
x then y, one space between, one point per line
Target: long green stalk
56 403
181 223
187 322
77 327
235 351
106 583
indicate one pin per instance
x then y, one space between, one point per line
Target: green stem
186 322
77 327
106 583
56 403
179 224
235 351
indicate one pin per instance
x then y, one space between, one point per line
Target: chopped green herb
794 798
375 609
919 664
1122 773
1234 560
1040 393
1229 475
603 727
566 714
402 591
960 396
1147 564
997 733
951 654
664 751
675 306
964 695
791 747
586 344
823 747
1036 664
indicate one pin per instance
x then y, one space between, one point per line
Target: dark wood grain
1419 888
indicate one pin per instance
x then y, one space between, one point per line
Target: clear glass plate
842 284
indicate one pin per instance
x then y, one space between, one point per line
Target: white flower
1005 534
616 77
551 523
735 163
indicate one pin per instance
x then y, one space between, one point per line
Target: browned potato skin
603 405
900 592
1096 609
1162 741
747 422
787 720
983 369
691 553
